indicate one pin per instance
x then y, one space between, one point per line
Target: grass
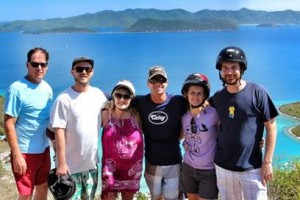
7 184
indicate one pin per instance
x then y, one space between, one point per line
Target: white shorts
246 185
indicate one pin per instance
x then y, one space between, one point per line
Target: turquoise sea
273 61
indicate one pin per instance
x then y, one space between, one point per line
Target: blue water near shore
273 58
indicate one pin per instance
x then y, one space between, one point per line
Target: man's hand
266 172
19 163
62 169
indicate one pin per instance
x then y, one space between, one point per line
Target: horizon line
47 18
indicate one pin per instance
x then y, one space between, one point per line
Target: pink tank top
122 150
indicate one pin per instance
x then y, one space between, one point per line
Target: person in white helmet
122 145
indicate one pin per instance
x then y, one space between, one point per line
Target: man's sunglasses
157 80
37 64
120 96
80 69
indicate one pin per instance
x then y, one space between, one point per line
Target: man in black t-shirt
161 122
245 110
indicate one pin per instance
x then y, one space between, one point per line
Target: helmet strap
197 106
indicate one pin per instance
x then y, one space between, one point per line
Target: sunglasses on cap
194 127
37 64
120 96
157 80
80 69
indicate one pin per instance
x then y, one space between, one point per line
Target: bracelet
267 162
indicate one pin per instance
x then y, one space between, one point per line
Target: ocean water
272 53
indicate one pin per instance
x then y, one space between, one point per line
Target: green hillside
138 19
154 25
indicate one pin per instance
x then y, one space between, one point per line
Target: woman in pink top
122 145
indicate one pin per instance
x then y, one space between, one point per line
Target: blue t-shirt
242 116
161 128
30 104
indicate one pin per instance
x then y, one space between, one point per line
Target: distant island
268 25
61 30
292 110
153 20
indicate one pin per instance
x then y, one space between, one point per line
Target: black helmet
232 54
196 79
62 188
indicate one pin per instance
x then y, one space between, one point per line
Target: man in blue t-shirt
27 107
245 110
161 122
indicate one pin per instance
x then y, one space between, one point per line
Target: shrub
286 182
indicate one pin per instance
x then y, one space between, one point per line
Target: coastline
291 133
289 130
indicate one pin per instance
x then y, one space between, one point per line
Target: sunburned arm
19 164
266 168
62 167
104 117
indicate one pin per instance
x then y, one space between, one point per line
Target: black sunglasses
193 126
120 96
157 80
80 69
37 64
202 128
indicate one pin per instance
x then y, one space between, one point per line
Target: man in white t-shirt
76 119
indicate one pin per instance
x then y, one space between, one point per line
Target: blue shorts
163 181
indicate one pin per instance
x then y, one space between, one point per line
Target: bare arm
62 167
104 117
19 162
266 168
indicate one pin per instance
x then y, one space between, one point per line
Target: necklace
120 115
196 111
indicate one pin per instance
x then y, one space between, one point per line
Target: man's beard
233 81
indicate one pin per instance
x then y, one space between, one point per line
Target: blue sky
43 9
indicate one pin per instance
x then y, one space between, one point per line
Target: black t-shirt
242 116
161 125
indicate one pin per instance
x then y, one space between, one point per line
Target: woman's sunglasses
120 96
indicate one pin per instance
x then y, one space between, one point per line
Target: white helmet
124 84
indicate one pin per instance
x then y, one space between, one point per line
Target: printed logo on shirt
231 110
158 117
